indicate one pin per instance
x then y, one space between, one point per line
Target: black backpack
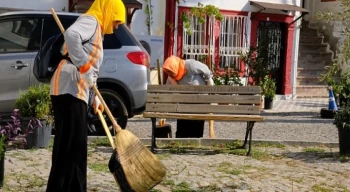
48 58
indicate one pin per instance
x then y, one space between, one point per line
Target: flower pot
40 138
2 165
2 170
344 141
268 103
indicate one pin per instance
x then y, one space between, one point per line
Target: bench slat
214 117
203 89
195 98
203 108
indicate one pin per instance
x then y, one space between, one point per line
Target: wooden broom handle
57 20
105 127
115 124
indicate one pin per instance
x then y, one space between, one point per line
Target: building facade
244 23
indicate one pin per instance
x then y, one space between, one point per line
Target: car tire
118 109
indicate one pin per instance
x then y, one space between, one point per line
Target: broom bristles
143 170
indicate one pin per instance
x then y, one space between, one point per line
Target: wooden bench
220 102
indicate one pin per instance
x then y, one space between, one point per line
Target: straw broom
133 166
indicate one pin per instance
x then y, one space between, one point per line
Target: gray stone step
313 63
308 80
304 72
311 47
311 39
308 32
312 91
323 56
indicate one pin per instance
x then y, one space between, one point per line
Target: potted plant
12 130
268 90
342 122
36 103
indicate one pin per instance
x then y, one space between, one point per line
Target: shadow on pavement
315 157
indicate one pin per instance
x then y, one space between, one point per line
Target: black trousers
69 155
189 128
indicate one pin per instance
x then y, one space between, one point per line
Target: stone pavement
298 105
270 168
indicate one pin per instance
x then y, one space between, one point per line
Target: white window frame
233 40
194 46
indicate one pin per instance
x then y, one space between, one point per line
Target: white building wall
238 5
315 6
139 26
58 5
139 21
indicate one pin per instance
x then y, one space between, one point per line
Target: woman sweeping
70 89
188 72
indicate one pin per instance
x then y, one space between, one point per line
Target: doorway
271 43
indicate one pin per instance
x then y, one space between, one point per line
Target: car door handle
19 65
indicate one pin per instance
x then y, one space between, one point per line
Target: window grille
195 46
233 40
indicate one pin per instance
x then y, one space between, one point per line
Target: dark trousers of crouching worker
69 154
189 128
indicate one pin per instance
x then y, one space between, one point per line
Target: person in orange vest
188 72
70 89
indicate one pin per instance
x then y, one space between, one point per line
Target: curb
212 142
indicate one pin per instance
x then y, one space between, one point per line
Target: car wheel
117 108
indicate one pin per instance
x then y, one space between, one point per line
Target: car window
19 35
51 27
111 41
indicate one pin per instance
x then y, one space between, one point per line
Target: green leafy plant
332 77
342 118
340 82
36 102
149 13
268 87
201 12
257 62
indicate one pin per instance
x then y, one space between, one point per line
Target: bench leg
153 142
250 125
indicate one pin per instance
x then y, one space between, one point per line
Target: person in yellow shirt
70 89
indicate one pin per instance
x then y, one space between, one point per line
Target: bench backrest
202 99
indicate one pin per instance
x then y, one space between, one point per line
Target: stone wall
334 36
333 33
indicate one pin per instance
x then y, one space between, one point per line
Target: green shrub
35 102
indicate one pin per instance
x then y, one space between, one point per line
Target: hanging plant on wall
149 13
170 24
201 12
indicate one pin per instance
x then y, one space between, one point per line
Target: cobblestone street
271 168
309 164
